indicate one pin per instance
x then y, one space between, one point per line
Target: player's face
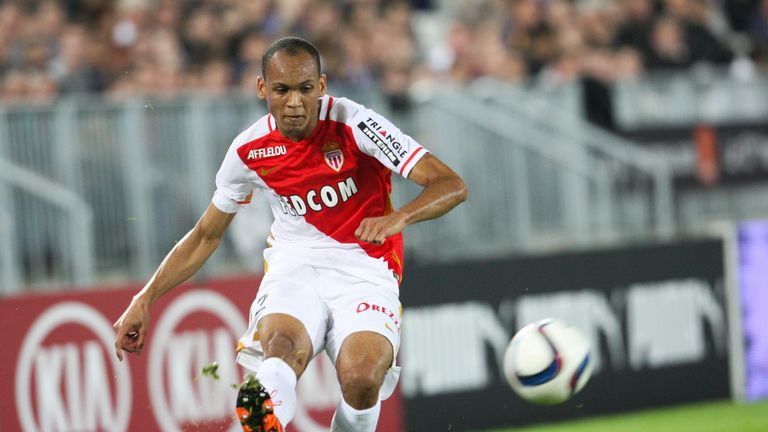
292 88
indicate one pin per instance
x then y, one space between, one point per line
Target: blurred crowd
560 40
163 47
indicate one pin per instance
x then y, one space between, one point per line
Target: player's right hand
376 229
131 328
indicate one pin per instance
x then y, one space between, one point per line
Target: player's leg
362 342
287 350
287 322
363 361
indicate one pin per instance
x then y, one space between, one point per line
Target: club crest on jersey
333 155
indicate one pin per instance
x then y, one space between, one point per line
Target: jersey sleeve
234 183
378 137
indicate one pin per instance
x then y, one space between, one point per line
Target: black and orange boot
254 408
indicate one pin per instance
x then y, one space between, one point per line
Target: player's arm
443 190
186 258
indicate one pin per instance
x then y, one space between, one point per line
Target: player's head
291 83
291 46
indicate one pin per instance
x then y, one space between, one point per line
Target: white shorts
331 303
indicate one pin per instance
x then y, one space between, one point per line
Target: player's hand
376 229
131 328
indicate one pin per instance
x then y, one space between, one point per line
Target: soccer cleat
254 408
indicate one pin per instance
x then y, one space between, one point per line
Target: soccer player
335 255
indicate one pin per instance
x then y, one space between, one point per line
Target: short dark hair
291 46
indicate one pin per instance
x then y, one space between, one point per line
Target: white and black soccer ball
547 362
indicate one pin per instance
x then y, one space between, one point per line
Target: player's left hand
376 229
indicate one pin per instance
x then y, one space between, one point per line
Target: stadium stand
134 90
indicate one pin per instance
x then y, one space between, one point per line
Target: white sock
279 380
348 419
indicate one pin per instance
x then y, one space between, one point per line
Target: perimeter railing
97 190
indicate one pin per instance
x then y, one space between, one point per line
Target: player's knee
360 386
279 344
283 346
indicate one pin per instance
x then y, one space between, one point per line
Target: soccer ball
547 362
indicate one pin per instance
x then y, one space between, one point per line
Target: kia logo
72 382
180 396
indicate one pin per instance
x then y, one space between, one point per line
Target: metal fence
93 189
616 170
540 177
145 170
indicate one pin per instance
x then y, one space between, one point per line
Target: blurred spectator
669 49
758 30
30 86
635 28
202 39
450 59
739 13
14 86
71 68
700 27
214 78
250 47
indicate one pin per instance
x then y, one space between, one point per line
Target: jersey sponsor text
261 153
327 197
391 148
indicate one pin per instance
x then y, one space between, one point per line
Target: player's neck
301 135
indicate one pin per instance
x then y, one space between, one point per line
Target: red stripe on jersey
330 105
247 199
269 122
410 158
298 172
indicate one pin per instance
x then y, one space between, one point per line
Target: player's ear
261 87
323 84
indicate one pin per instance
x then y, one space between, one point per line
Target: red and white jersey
322 187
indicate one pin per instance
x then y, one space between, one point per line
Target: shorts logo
333 155
261 308
389 327
365 307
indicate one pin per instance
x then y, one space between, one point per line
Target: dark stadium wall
655 314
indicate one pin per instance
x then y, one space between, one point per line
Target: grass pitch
706 417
